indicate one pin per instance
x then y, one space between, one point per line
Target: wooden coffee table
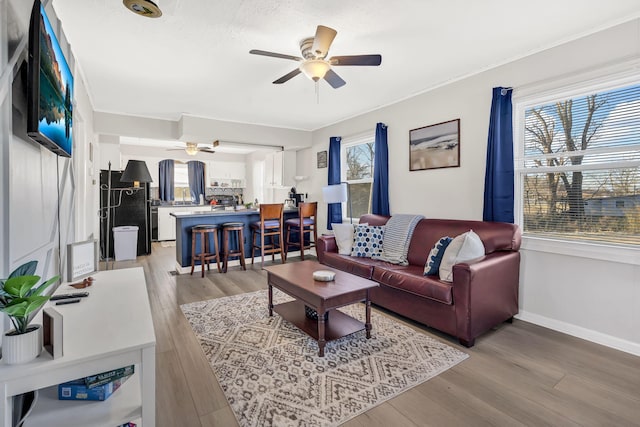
296 280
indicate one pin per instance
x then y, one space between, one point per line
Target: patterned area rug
272 376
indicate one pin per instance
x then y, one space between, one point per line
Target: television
50 87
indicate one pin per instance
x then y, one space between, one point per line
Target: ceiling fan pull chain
317 92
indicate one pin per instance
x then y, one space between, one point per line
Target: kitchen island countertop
220 212
187 219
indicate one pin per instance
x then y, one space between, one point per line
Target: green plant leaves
42 287
26 269
21 308
19 297
20 286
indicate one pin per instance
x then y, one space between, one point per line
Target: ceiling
194 60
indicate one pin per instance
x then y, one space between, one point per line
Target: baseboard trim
580 332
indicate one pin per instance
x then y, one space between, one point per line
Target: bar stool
270 225
204 231
304 224
229 230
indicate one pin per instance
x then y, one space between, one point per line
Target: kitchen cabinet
232 174
280 168
166 224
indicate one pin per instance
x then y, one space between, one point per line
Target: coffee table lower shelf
337 325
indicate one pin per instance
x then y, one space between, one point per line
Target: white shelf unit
122 406
109 329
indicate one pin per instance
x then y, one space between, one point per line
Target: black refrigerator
133 209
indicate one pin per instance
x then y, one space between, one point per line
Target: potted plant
19 298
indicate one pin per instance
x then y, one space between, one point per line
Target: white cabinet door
288 168
280 168
268 172
278 164
229 173
166 224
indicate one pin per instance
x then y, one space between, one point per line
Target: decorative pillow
435 256
344 237
464 247
367 240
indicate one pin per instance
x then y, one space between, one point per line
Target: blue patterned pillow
367 241
435 256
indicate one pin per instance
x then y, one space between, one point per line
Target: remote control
68 301
67 296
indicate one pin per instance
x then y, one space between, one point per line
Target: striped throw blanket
397 235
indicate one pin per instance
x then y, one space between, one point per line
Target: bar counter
186 220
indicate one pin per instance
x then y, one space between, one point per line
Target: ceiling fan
193 148
314 63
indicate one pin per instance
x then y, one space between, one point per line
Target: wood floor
518 374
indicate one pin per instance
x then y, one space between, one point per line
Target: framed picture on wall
322 159
435 146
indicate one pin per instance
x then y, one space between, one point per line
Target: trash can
125 242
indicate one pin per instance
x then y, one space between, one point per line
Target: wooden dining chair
303 225
271 226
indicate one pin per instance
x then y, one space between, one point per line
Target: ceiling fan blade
287 77
334 80
275 55
356 60
322 41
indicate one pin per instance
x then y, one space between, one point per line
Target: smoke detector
145 8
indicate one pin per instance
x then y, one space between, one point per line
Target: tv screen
50 89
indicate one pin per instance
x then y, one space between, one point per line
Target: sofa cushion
344 237
435 256
496 236
410 279
362 267
464 247
373 219
367 241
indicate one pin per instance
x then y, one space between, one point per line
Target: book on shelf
78 390
108 376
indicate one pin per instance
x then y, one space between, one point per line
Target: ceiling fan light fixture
146 8
315 69
191 149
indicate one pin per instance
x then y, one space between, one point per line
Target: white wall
198 129
41 195
597 300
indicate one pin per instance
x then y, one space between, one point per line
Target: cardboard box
78 390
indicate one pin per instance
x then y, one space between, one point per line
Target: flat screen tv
50 88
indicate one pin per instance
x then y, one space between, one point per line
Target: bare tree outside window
359 175
580 176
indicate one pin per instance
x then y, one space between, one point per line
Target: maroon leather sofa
483 294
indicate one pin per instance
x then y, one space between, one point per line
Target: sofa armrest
326 243
485 293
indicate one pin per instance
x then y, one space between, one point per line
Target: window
181 182
357 170
577 165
